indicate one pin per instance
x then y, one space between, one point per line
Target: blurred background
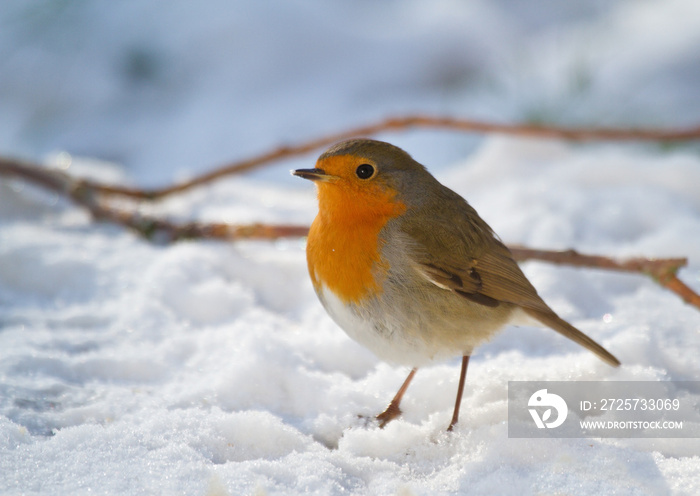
170 88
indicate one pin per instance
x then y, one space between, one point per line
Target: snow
203 367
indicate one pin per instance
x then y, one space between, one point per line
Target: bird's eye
364 171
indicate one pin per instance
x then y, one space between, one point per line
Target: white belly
391 345
398 338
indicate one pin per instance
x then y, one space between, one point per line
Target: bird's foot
391 412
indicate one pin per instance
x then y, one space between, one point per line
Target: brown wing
477 266
495 278
503 280
465 283
489 278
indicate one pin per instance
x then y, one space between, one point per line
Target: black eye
364 171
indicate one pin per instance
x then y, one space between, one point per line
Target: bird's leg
460 390
393 410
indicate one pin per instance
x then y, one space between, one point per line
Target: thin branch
52 179
659 269
674 284
663 270
87 194
149 227
402 123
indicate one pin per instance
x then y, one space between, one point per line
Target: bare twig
147 226
674 284
52 179
659 269
407 122
87 194
663 270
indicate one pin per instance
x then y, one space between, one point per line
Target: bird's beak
313 174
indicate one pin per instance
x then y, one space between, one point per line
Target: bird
408 268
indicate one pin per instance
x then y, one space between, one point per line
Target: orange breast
343 247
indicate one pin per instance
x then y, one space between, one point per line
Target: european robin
408 268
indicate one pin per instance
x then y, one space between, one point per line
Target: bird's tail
552 320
